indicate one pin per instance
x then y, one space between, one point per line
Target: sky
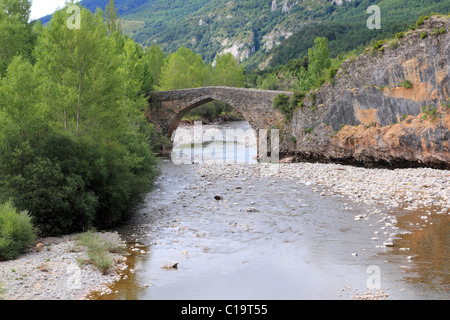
41 8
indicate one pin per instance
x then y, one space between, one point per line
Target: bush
282 103
52 187
423 35
429 113
422 20
393 44
70 185
400 35
16 232
406 84
297 99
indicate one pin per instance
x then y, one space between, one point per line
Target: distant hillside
262 33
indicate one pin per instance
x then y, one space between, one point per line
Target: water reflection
233 142
424 251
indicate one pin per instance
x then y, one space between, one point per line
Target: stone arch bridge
167 108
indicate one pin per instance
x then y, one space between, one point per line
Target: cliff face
389 106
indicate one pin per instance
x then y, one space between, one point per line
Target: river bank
51 271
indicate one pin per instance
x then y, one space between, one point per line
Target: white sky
41 8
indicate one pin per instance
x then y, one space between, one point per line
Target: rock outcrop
389 106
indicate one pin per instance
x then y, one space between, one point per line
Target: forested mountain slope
263 33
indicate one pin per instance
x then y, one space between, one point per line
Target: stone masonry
167 108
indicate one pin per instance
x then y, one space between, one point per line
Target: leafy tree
184 69
19 114
79 75
319 61
113 21
228 72
132 73
154 59
16 37
17 9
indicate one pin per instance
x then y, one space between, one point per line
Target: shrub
297 99
442 31
435 32
400 35
68 186
378 44
406 84
429 113
282 103
16 232
423 35
422 20
393 44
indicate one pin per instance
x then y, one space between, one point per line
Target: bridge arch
167 108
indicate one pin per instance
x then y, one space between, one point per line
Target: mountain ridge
262 33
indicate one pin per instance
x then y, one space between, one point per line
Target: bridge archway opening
212 131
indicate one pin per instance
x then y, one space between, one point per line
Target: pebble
390 188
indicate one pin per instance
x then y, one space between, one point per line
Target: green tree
16 37
319 61
132 72
154 59
79 74
18 9
75 150
18 109
184 69
113 21
227 72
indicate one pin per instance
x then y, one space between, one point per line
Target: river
270 239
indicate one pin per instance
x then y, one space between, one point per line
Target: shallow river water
270 239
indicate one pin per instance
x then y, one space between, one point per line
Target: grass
98 251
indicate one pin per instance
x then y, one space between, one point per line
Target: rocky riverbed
419 191
409 188
51 271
